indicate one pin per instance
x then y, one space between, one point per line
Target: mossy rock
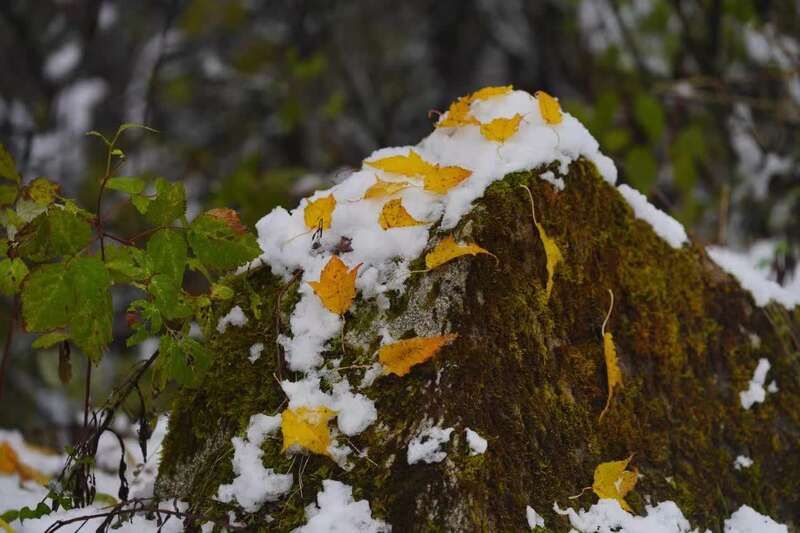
528 374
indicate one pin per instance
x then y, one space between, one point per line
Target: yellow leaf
11 464
554 257
394 215
501 129
442 179
407 165
308 428
458 114
336 286
612 481
490 92
549 107
385 188
398 357
5 527
448 249
612 368
319 213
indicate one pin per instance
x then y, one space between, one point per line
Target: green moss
528 374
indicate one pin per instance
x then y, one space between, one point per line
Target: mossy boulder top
525 371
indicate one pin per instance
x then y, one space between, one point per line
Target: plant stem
7 344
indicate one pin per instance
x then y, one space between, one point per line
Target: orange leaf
398 357
319 213
442 179
11 464
231 218
308 428
501 129
394 215
448 249
458 114
385 188
491 92
549 108
407 165
612 481
336 286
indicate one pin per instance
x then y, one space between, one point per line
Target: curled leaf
319 213
398 358
394 215
448 249
458 114
441 179
501 129
613 372
612 481
491 92
336 287
554 257
406 165
307 428
385 188
549 108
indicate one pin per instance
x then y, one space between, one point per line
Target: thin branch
7 344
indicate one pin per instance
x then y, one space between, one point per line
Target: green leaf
168 297
134 125
221 292
126 263
49 339
220 247
141 203
641 168
8 194
91 319
99 135
166 254
42 191
128 184
46 298
12 272
649 115
8 168
27 210
54 234
169 203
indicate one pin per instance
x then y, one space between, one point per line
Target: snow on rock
551 178
337 512
606 516
763 290
427 445
747 520
477 444
742 461
664 225
255 351
254 484
534 518
235 317
756 393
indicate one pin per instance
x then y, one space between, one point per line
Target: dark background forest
260 103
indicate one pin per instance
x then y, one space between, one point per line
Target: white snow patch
748 520
534 518
756 393
477 444
337 512
762 289
742 461
426 446
370 375
255 351
606 516
551 178
235 317
664 225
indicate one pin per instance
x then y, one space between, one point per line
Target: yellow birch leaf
336 286
398 358
442 179
490 92
448 249
319 213
612 368
11 464
612 481
554 257
458 114
407 165
501 129
385 188
308 428
394 215
549 107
